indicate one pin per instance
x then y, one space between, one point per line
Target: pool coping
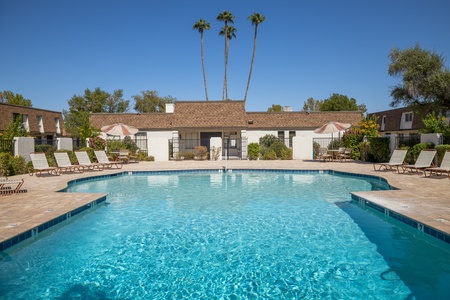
356 196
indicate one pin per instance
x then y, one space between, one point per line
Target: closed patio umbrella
119 129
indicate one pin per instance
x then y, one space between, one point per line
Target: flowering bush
435 124
369 127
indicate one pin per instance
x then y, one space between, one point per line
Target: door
205 138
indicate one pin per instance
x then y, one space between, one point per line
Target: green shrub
19 165
97 143
413 152
270 155
336 144
267 140
352 139
364 152
47 149
12 165
186 155
286 154
379 147
253 151
441 149
5 164
130 144
316 147
277 147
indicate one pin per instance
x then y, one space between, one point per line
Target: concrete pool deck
424 199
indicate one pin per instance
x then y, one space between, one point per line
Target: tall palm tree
229 32
226 17
202 25
256 19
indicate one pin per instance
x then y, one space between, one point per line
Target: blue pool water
231 235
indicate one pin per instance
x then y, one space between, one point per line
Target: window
40 124
58 128
291 135
383 123
408 117
406 121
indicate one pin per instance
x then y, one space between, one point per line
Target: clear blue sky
52 50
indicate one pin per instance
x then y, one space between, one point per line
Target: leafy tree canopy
425 80
76 119
16 99
312 105
338 102
150 101
98 101
275 107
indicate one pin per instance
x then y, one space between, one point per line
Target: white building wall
23 146
302 147
254 135
158 144
64 144
159 148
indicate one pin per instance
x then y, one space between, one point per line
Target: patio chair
397 159
40 165
11 186
84 160
443 168
63 162
124 156
103 159
323 154
345 155
424 161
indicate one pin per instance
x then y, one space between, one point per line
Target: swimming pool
238 235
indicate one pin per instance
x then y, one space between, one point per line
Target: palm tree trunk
251 64
203 66
226 69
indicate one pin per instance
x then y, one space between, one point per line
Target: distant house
44 125
187 124
400 121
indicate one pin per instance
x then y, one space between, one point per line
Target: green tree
275 108
312 105
14 129
256 19
16 99
435 124
76 119
115 103
201 25
150 101
338 102
425 80
228 32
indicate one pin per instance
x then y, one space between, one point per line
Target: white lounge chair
424 161
84 160
63 162
397 159
443 168
103 159
11 186
40 165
